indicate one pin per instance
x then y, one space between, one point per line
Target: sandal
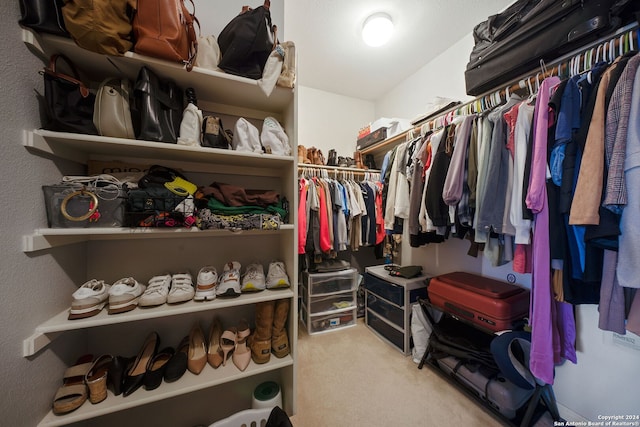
96 378
73 392
228 343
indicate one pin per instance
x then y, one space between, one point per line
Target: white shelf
209 377
47 238
81 148
238 95
47 331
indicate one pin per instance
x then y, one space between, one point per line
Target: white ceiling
332 56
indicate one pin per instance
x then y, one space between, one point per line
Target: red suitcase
487 303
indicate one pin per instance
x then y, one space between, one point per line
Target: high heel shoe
228 343
197 350
242 355
135 375
96 378
153 376
214 354
117 370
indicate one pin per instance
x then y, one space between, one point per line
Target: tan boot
358 160
311 155
320 158
302 154
279 337
260 341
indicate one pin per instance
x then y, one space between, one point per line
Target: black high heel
115 377
135 375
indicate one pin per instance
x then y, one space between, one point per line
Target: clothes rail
323 171
576 62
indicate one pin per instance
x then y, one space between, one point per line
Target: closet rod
337 168
565 65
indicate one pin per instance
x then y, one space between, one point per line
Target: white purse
208 53
191 126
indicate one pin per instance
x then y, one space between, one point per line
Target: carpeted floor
350 377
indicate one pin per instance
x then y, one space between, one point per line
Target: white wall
327 120
604 382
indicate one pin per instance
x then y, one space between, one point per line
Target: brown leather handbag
164 29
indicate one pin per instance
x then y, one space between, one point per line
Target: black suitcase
512 43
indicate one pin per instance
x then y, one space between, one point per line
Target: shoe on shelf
277 276
228 341
134 377
96 378
197 350
73 392
155 372
156 292
206 284
242 355
177 365
120 365
89 299
214 351
124 295
253 279
229 285
181 288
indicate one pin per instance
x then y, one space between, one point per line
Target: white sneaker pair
206 284
254 278
171 289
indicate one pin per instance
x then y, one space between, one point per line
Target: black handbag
43 16
247 41
69 102
213 133
158 107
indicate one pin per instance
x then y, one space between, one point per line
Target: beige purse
208 53
112 113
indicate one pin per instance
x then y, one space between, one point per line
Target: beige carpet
350 377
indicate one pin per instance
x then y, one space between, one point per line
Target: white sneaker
181 288
124 295
206 284
277 276
89 299
253 278
229 285
156 292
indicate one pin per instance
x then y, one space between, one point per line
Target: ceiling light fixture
377 29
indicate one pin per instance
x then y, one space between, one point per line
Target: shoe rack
112 253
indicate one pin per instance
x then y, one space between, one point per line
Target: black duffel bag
512 43
247 41
44 16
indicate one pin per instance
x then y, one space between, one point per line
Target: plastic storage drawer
385 330
392 292
383 308
323 323
329 303
329 283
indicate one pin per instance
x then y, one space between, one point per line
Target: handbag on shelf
69 102
247 41
112 111
191 125
100 26
208 53
85 201
158 108
164 29
213 133
44 16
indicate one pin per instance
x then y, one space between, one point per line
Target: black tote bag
158 107
43 16
247 41
69 102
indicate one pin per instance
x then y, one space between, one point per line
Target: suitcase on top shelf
513 42
487 303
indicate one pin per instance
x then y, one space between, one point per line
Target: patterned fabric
616 137
208 220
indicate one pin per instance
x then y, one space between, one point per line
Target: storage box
328 283
373 137
66 206
329 322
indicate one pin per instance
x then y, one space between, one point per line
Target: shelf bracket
37 342
37 242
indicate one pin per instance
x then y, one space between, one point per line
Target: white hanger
631 47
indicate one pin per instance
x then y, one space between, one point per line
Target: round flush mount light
377 29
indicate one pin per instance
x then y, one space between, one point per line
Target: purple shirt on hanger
552 323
